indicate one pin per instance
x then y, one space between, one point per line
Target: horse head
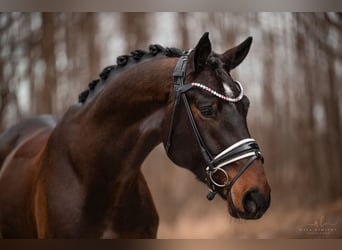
206 130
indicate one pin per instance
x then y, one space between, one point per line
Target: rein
245 148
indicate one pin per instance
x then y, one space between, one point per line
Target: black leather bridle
245 148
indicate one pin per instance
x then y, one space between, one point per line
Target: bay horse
79 176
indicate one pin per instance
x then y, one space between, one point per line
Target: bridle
245 148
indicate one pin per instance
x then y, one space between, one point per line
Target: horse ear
201 52
234 56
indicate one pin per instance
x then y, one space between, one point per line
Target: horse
79 175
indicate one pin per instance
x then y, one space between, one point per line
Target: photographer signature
320 223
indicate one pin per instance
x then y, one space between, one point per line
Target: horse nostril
250 205
254 204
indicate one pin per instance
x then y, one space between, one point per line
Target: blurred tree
10 51
318 56
47 100
183 29
135 28
78 55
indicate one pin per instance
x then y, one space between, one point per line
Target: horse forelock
226 83
135 56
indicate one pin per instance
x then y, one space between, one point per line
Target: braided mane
134 57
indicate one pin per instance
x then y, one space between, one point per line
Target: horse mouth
254 205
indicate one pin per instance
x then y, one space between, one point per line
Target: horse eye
207 111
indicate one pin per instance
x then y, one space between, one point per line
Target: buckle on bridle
212 183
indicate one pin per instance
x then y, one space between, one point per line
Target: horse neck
112 134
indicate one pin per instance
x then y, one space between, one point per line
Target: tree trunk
48 54
135 30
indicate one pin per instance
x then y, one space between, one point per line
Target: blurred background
292 75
